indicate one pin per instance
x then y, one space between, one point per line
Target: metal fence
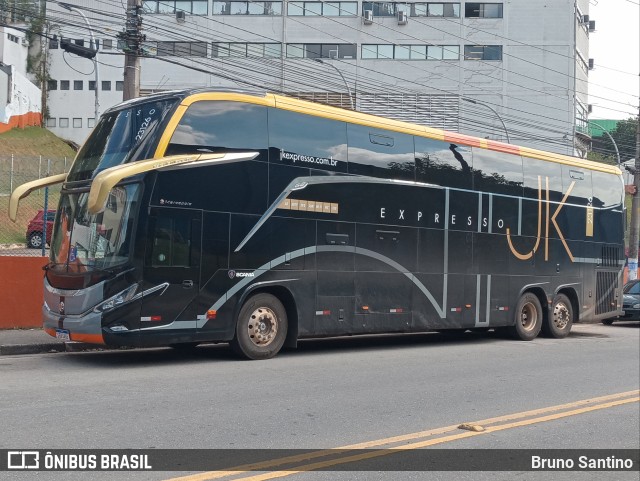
14 171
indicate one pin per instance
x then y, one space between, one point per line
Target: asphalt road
333 393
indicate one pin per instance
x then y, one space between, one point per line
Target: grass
31 149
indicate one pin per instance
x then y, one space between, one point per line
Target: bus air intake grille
610 256
606 288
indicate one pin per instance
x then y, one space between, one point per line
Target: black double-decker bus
257 219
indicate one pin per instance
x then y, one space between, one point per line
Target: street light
95 60
611 138
490 108
319 60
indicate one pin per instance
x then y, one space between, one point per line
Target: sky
614 45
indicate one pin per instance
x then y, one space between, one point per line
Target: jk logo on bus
552 218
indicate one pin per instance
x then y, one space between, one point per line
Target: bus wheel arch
562 314
529 315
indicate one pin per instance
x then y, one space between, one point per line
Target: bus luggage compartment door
173 257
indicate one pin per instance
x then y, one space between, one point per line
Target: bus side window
380 153
497 172
170 242
442 163
539 174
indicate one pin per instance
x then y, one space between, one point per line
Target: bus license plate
63 334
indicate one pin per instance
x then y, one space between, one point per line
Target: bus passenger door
172 267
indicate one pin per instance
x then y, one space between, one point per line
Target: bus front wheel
528 318
561 318
261 327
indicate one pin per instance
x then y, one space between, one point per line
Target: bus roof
355 117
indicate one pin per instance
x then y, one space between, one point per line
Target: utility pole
635 211
133 39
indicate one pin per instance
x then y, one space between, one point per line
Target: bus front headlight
117 300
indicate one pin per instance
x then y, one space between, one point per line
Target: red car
35 229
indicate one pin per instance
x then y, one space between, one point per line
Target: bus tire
528 321
261 327
560 320
607 322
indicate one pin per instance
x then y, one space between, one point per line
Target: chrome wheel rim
560 315
262 327
528 316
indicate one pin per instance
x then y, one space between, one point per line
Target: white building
524 64
20 99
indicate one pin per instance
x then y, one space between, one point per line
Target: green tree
625 137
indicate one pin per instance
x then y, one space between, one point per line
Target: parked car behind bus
630 303
35 229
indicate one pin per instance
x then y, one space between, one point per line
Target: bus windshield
119 137
83 242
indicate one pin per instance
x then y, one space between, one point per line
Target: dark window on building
320 50
77 85
443 163
483 10
220 127
380 9
52 85
195 7
107 44
106 85
64 85
380 153
119 85
246 8
79 41
323 142
53 43
483 52
92 84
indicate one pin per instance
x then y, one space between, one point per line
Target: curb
19 349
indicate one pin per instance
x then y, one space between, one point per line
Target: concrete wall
20 105
21 286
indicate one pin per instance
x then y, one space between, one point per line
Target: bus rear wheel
561 318
261 327
528 318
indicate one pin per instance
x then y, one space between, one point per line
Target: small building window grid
483 52
52 85
325 9
64 85
91 122
13 38
411 52
181 49
92 84
106 85
77 123
107 44
441 10
119 85
322 50
194 7
259 50
64 122
51 122
246 8
483 10
53 44
77 84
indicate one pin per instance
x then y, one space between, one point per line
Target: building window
91 122
13 38
77 85
64 122
53 43
247 8
483 10
79 41
451 10
64 85
119 85
52 85
77 123
106 85
327 9
92 84
383 9
51 122
107 44
181 49
321 50
260 50
483 52
195 7
411 52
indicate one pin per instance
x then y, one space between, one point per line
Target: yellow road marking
592 404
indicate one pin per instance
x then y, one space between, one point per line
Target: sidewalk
35 341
